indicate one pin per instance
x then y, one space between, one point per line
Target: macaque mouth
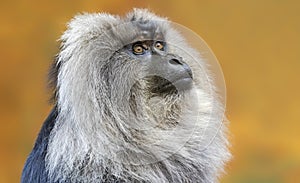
162 85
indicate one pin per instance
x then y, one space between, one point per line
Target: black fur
34 170
52 79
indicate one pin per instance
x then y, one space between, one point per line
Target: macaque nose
180 64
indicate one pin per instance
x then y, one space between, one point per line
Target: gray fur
97 137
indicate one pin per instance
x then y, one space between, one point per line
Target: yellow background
257 43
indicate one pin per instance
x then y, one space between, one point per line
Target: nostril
175 61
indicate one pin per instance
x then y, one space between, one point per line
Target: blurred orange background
256 42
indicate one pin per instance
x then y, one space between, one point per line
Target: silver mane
109 128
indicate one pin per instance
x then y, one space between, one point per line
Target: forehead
139 30
148 30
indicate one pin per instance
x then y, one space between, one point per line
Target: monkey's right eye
138 49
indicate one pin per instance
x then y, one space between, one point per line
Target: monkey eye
159 45
138 49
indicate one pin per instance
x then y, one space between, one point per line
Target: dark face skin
167 71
